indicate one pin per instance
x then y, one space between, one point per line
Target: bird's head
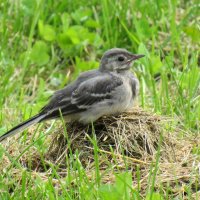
117 59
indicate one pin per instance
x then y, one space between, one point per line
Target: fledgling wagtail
108 90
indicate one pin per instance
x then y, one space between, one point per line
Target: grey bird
108 90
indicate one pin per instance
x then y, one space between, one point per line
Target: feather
19 128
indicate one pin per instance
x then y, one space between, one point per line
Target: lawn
46 44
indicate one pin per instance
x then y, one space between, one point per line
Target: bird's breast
124 95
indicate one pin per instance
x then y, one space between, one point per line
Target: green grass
46 44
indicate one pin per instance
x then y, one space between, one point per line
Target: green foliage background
44 44
48 38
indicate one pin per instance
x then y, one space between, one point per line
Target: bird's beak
135 56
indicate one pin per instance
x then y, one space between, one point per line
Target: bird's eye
120 58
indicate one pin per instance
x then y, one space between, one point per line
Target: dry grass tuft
132 139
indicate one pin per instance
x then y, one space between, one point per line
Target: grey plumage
108 90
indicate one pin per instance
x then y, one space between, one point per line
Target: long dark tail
19 128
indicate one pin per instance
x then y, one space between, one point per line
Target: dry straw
127 141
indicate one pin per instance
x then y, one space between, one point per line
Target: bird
108 90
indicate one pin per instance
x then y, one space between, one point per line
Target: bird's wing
63 97
95 90
85 95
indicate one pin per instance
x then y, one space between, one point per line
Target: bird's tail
19 128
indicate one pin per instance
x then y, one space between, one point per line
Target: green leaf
192 32
108 192
120 190
155 196
39 53
92 23
28 7
76 38
2 130
65 21
83 65
46 31
155 64
73 35
143 50
123 184
81 15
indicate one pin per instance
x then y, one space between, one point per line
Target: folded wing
87 94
